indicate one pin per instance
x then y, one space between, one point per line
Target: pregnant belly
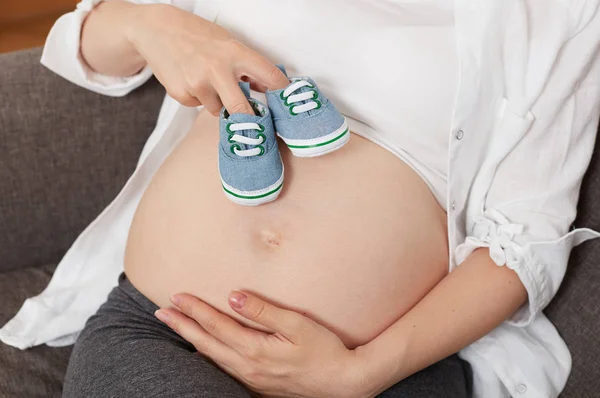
354 240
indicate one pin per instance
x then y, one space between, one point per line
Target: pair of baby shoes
249 161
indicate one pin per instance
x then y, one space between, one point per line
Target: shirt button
521 388
459 135
453 205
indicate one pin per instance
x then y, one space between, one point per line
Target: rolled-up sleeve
542 153
62 55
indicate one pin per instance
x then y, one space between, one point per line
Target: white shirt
401 99
523 130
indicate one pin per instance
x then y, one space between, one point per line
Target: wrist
106 45
377 370
139 20
359 374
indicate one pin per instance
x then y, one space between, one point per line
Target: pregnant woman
441 227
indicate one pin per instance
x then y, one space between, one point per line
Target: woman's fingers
205 343
254 85
185 98
190 52
291 325
210 99
231 94
260 70
219 325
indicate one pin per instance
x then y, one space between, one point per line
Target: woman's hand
199 62
301 359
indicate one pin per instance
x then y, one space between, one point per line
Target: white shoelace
257 142
290 98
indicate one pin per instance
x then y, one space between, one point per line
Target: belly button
271 238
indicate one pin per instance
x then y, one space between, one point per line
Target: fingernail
237 299
175 299
162 316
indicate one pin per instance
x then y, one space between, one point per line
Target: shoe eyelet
292 111
264 137
230 137
318 104
228 129
262 150
234 147
316 95
262 128
282 97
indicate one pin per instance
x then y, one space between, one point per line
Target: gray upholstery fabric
66 152
576 308
38 372
64 155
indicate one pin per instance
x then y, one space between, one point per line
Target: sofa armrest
65 153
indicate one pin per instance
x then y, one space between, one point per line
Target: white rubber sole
319 146
253 198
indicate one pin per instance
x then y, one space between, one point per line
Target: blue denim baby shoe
305 119
249 161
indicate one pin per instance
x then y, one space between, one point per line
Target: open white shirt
524 127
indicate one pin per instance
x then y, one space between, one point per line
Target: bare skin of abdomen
354 240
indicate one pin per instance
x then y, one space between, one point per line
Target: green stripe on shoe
252 197
321 144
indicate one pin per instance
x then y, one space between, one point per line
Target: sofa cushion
576 308
65 153
37 372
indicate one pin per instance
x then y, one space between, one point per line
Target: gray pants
124 351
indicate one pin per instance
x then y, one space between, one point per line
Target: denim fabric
264 120
307 125
249 173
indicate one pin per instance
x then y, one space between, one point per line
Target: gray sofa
66 152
